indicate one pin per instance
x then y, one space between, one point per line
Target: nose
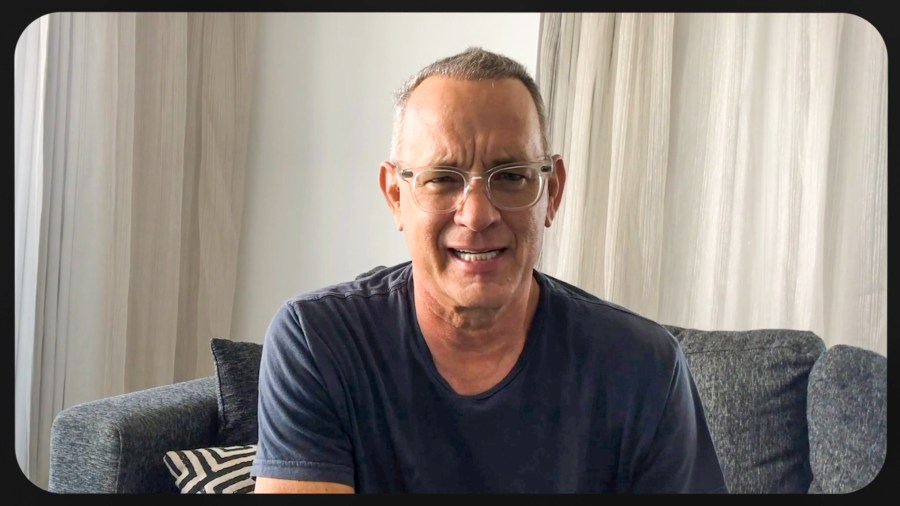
476 212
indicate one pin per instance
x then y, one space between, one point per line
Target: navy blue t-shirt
600 400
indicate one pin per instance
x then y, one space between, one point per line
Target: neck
474 348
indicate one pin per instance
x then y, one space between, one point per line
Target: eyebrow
504 161
448 162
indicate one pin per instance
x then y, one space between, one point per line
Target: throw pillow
215 470
237 377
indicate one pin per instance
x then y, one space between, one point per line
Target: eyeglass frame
410 174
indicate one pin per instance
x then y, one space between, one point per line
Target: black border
877 13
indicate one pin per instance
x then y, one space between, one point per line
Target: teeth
470 256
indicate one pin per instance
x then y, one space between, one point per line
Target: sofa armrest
117 444
847 411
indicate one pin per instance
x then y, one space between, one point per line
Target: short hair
473 64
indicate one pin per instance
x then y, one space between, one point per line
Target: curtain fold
145 128
725 171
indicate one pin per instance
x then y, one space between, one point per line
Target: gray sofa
787 416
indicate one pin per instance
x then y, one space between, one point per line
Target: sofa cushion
214 470
237 378
753 387
847 416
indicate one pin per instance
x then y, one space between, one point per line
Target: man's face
477 256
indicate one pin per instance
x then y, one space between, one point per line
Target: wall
314 214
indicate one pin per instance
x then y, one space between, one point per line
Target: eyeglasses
510 186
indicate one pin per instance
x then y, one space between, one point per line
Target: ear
390 187
555 185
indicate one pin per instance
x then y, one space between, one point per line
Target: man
466 370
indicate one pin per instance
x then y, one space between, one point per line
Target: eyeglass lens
510 188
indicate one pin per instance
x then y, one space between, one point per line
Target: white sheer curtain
726 171
131 137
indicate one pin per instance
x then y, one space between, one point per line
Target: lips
476 255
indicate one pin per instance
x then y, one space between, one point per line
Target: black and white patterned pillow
215 470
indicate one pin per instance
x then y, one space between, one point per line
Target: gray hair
472 64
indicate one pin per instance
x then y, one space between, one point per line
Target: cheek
530 229
422 230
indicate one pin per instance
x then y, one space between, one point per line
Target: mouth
476 256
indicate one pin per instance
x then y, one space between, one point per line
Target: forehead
457 118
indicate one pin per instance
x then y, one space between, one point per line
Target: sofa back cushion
847 416
753 385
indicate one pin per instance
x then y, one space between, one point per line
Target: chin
483 295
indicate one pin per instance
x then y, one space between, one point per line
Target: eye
509 176
440 180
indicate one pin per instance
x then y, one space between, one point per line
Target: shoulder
341 308
604 324
333 326
378 287
374 283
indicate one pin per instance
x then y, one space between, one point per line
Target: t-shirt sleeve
682 457
301 435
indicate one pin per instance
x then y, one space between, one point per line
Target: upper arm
278 486
301 433
682 457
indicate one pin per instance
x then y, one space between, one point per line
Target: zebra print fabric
222 470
